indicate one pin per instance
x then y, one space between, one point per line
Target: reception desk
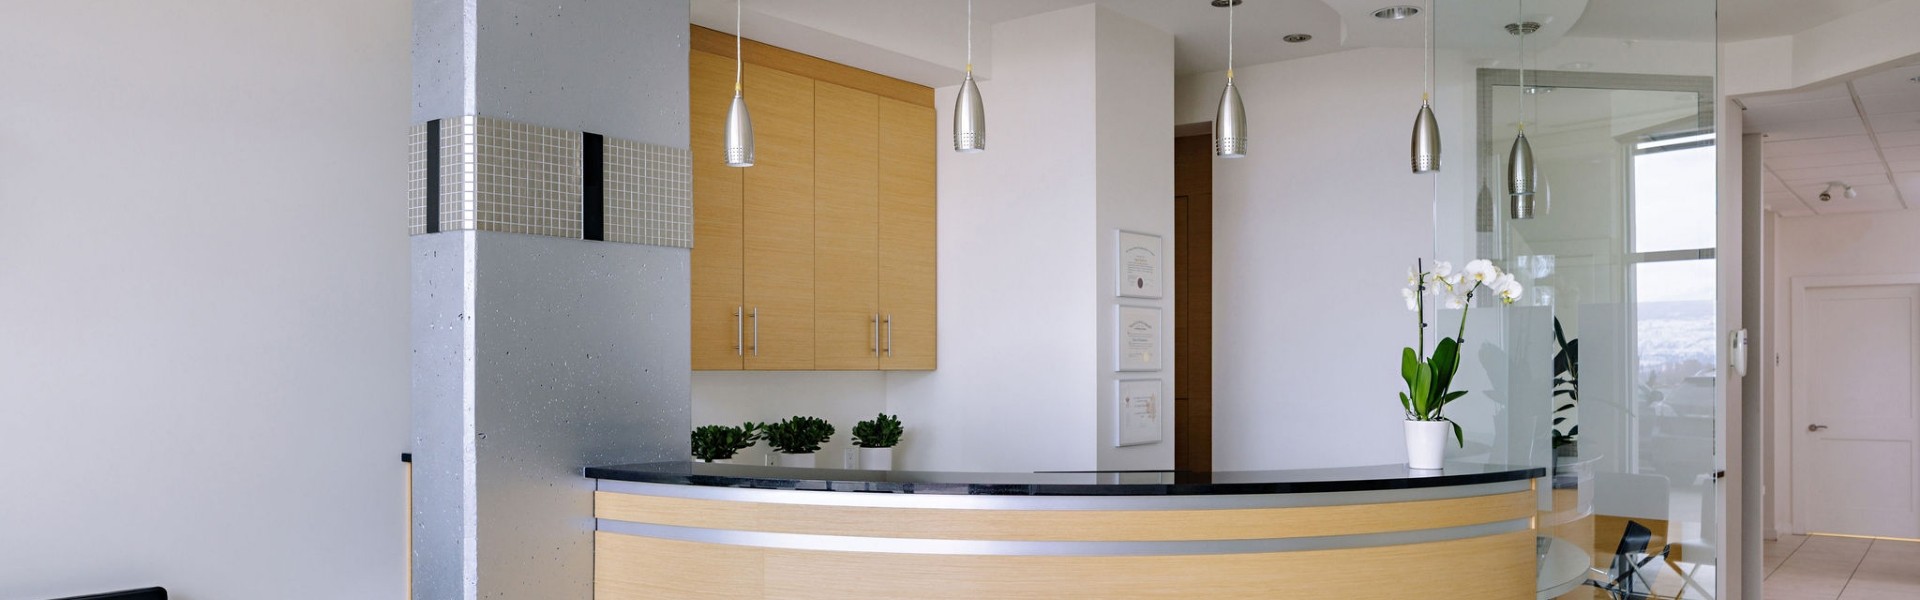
692 530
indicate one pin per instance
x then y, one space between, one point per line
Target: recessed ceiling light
1577 66
1396 12
1915 79
1535 90
1296 38
1225 3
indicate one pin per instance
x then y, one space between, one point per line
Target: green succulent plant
798 434
721 442
882 431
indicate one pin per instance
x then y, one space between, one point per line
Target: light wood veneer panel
716 256
630 567
909 251
846 226
721 44
779 221
1064 525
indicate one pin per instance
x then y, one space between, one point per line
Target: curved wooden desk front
1386 538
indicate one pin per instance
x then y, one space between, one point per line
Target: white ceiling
924 41
1864 133
928 37
1753 19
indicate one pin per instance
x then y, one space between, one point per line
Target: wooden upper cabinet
825 246
778 221
718 327
846 228
908 250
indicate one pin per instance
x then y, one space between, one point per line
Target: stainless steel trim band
800 541
1009 502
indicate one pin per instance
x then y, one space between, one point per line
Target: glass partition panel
1606 370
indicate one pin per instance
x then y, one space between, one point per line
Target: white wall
1313 234
1134 146
1018 334
203 328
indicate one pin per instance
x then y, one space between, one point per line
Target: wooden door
846 227
1855 417
908 249
1193 313
778 222
718 323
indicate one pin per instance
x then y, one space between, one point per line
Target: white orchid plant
1430 377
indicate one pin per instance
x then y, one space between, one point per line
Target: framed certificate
1136 338
1139 266
1137 414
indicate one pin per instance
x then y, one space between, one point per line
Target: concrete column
551 227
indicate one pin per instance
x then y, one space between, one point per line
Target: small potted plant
876 439
1429 377
720 442
796 439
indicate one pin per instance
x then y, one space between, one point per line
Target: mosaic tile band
499 175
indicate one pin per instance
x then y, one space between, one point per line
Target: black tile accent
152 593
1141 483
593 186
433 176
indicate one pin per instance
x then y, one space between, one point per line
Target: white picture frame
1139 412
1139 265
1137 338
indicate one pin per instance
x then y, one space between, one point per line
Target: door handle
889 335
756 331
1815 427
739 331
876 334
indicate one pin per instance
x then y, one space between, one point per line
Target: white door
1855 416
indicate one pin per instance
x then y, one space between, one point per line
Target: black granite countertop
1082 483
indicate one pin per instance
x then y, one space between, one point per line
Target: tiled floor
1838 568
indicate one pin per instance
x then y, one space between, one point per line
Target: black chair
1630 579
152 593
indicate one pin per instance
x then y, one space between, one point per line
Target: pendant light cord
1230 4
969 37
1426 91
737 60
1521 18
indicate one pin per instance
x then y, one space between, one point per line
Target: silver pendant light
739 124
1426 131
1230 120
1522 172
969 112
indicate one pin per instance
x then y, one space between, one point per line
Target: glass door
1606 371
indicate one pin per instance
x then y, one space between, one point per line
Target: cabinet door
907 237
779 222
846 225
718 327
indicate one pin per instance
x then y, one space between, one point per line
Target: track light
1827 194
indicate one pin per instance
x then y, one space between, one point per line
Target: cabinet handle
739 331
889 336
876 334
756 331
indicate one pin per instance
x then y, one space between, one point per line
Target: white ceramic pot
876 459
794 460
1427 443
